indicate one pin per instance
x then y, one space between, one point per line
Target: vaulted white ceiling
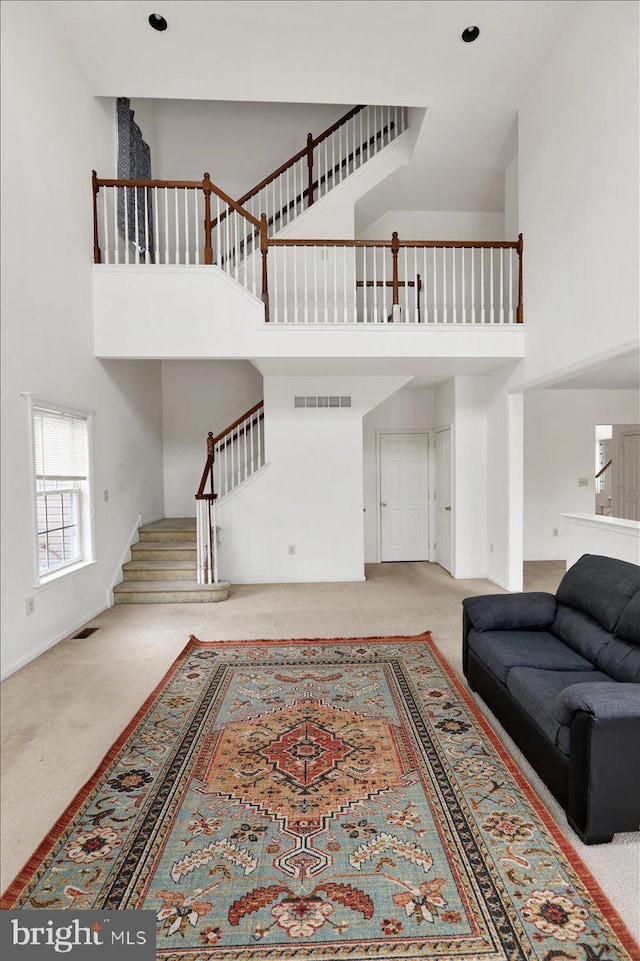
404 52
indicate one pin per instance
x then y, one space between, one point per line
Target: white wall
437 225
311 494
54 133
238 143
199 396
470 477
559 447
578 173
404 410
511 201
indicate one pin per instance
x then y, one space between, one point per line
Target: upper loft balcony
183 270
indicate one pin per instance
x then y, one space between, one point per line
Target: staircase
162 569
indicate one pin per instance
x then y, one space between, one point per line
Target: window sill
50 580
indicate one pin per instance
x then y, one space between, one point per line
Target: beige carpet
62 712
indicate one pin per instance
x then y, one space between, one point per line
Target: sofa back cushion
600 587
620 660
628 627
580 632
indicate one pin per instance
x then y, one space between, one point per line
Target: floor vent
85 632
324 400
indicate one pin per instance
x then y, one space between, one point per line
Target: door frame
429 433
452 451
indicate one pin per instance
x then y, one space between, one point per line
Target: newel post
395 247
520 310
264 249
97 256
310 167
208 249
210 459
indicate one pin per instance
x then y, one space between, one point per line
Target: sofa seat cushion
600 587
536 691
503 650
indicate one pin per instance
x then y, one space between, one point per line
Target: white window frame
83 493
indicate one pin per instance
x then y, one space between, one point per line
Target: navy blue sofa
562 674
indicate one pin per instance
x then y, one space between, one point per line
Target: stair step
169 592
163 550
159 570
179 529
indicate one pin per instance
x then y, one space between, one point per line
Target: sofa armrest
604 701
510 612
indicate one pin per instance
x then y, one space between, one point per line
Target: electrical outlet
292 548
583 482
106 495
30 605
554 532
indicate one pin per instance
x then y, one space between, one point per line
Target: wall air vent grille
321 400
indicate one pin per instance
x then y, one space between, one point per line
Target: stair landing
162 569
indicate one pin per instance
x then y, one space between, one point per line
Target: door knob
447 508
383 504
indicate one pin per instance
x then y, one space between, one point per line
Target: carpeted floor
64 710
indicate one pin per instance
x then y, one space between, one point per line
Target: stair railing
324 162
233 456
430 282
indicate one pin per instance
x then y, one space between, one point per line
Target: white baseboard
23 661
297 580
547 557
498 583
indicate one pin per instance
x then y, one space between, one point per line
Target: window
62 494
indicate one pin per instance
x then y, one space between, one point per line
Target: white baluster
136 246
325 252
156 226
227 240
368 133
510 285
105 224
306 286
176 225
365 317
333 160
424 282
464 291
254 426
492 312
196 228
335 285
295 285
285 292
453 285
166 225
360 146
473 285
444 286
385 310
375 286
126 225
213 527
406 287
187 256
344 283
482 307
501 286
435 286
316 296
116 232
276 255
260 445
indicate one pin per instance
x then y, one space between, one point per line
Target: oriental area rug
322 799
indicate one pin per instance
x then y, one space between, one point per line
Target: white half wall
311 493
578 192
199 396
559 448
54 133
407 409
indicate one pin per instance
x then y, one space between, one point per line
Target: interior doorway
404 496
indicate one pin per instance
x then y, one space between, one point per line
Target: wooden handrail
239 432
311 144
603 469
236 423
476 244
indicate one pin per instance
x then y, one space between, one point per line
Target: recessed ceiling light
157 21
469 34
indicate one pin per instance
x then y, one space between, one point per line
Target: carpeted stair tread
170 524
163 546
160 565
148 587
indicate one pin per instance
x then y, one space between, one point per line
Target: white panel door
443 499
630 486
404 497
